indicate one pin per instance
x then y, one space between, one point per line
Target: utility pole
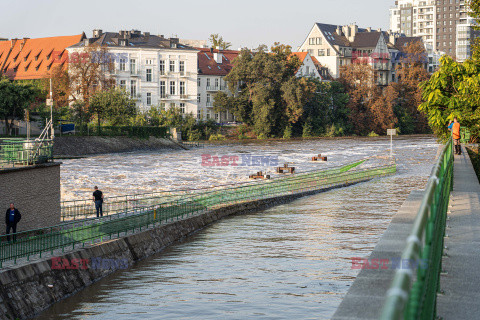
52 132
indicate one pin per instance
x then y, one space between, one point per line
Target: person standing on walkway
98 199
455 128
12 217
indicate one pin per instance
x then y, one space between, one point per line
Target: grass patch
473 152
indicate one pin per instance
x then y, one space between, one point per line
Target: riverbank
74 146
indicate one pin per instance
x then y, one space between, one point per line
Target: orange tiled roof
208 66
300 55
25 59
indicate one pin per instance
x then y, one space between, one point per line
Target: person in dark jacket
98 199
12 217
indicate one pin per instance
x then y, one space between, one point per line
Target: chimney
217 56
369 29
339 30
162 36
211 50
97 33
146 34
379 30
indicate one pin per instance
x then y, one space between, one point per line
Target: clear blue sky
244 23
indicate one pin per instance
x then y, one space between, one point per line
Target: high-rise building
415 18
444 25
453 21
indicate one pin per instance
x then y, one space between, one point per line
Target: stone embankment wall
69 146
35 191
26 290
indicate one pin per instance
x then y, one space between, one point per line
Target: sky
245 23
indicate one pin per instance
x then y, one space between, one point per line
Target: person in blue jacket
12 217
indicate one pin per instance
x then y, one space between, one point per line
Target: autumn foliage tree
266 93
411 73
371 107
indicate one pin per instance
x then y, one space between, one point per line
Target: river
290 261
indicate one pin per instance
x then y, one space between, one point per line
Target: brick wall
35 191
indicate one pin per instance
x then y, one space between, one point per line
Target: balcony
185 97
216 88
135 72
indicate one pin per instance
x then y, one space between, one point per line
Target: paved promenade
460 281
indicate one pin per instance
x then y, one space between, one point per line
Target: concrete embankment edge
73 146
27 290
366 296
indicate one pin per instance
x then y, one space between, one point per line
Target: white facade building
155 71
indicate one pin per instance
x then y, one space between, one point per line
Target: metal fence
22 152
425 247
85 231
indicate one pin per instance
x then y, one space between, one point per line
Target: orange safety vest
456 130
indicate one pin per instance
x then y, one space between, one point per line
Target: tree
217 41
15 98
88 71
266 93
114 105
453 91
371 107
411 73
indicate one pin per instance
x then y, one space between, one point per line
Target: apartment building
213 66
444 26
415 18
155 70
336 46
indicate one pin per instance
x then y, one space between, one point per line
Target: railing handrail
399 292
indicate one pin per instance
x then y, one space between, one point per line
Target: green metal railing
22 152
81 232
424 245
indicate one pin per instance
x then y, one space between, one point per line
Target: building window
133 88
199 82
149 75
133 65
181 67
161 64
149 61
318 40
162 106
208 98
208 82
199 114
328 52
123 63
123 84
149 98
172 66
182 88
182 108
163 91
321 52
172 88
199 98
172 105
216 83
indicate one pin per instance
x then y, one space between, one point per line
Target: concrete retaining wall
29 289
69 146
35 191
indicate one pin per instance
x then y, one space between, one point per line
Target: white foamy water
142 172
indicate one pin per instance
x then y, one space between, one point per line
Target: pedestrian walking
98 199
12 217
455 128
